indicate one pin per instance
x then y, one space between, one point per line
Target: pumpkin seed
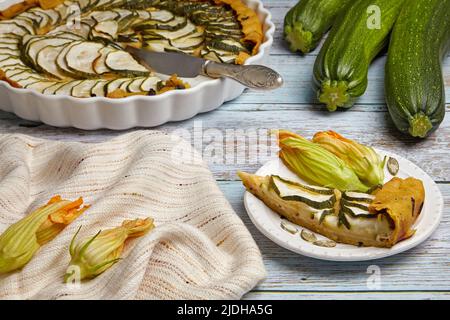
308 236
325 243
288 227
393 166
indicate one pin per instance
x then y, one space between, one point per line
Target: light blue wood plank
423 268
288 295
273 107
297 73
373 128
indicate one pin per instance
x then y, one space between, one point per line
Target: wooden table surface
420 273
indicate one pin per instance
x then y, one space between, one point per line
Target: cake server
186 66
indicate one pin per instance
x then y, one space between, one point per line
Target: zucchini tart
76 48
381 219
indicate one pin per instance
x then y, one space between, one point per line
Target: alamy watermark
374 17
73 17
224 146
374 280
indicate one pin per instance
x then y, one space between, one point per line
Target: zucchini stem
420 125
334 94
298 38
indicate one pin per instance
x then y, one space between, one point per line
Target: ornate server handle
252 76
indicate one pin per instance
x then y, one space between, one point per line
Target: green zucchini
306 22
414 82
341 68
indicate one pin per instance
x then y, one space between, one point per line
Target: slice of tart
361 219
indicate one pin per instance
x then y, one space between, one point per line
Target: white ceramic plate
268 222
205 95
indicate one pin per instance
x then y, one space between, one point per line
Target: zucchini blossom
316 165
364 161
21 240
94 255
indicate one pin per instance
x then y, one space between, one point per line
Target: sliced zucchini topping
315 198
122 61
46 58
81 56
77 47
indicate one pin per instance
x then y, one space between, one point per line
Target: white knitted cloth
200 249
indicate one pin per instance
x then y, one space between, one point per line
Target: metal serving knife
252 76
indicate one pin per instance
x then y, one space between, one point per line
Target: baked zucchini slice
52 89
187 43
36 18
161 16
99 64
99 16
35 45
135 85
28 81
172 35
9 51
108 27
6 60
150 83
81 29
46 58
80 58
98 90
11 27
123 62
83 89
322 198
14 72
114 85
66 89
39 86
61 60
10 46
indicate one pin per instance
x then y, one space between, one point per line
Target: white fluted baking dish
136 111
